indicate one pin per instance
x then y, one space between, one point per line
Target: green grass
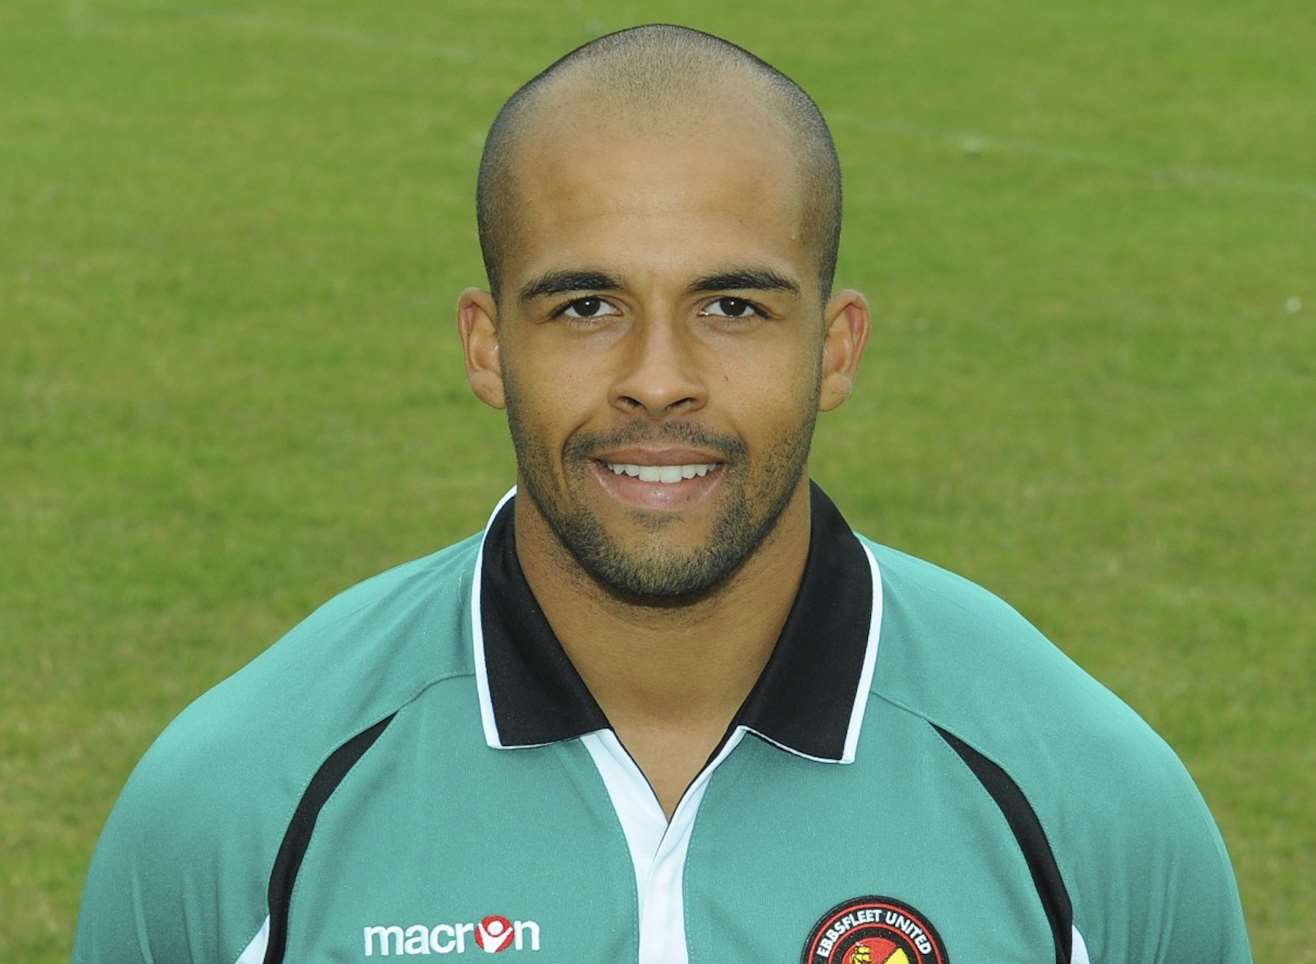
231 237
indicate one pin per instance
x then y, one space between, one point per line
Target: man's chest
544 854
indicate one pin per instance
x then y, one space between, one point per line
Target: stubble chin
640 566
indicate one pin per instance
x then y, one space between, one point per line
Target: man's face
660 332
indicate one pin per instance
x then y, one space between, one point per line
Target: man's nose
658 373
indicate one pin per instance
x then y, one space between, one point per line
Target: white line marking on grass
81 22
288 26
977 143
77 17
344 35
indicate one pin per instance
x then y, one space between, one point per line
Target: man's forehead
654 175
579 166
573 106
650 212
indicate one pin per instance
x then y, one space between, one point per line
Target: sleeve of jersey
1155 883
179 872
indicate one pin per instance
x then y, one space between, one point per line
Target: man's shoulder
959 654
262 732
1124 819
195 829
969 663
357 658
1096 774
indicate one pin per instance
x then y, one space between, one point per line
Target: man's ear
477 324
846 315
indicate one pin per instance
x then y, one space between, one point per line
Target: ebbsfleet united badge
873 930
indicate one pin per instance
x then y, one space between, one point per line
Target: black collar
807 700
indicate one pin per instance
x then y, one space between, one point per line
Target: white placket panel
658 848
1079 951
254 952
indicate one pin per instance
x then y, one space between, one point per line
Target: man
667 707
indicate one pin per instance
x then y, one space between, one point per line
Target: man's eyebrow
561 282
750 279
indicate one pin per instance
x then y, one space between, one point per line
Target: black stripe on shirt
298 835
1028 833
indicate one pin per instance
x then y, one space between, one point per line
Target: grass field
231 237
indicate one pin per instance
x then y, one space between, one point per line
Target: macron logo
493 934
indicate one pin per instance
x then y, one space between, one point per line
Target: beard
752 499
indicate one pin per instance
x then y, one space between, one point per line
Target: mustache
583 445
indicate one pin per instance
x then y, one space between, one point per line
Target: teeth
667 474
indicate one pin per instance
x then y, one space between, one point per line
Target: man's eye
588 308
731 308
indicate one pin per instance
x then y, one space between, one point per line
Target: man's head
659 213
660 76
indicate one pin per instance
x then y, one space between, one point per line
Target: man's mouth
667 474
659 478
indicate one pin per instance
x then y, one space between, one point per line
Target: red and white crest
873 930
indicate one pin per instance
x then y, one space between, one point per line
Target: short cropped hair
649 68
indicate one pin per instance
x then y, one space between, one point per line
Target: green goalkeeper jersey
417 770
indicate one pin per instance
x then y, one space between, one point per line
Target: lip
660 496
668 456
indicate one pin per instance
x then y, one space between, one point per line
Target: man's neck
669 677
